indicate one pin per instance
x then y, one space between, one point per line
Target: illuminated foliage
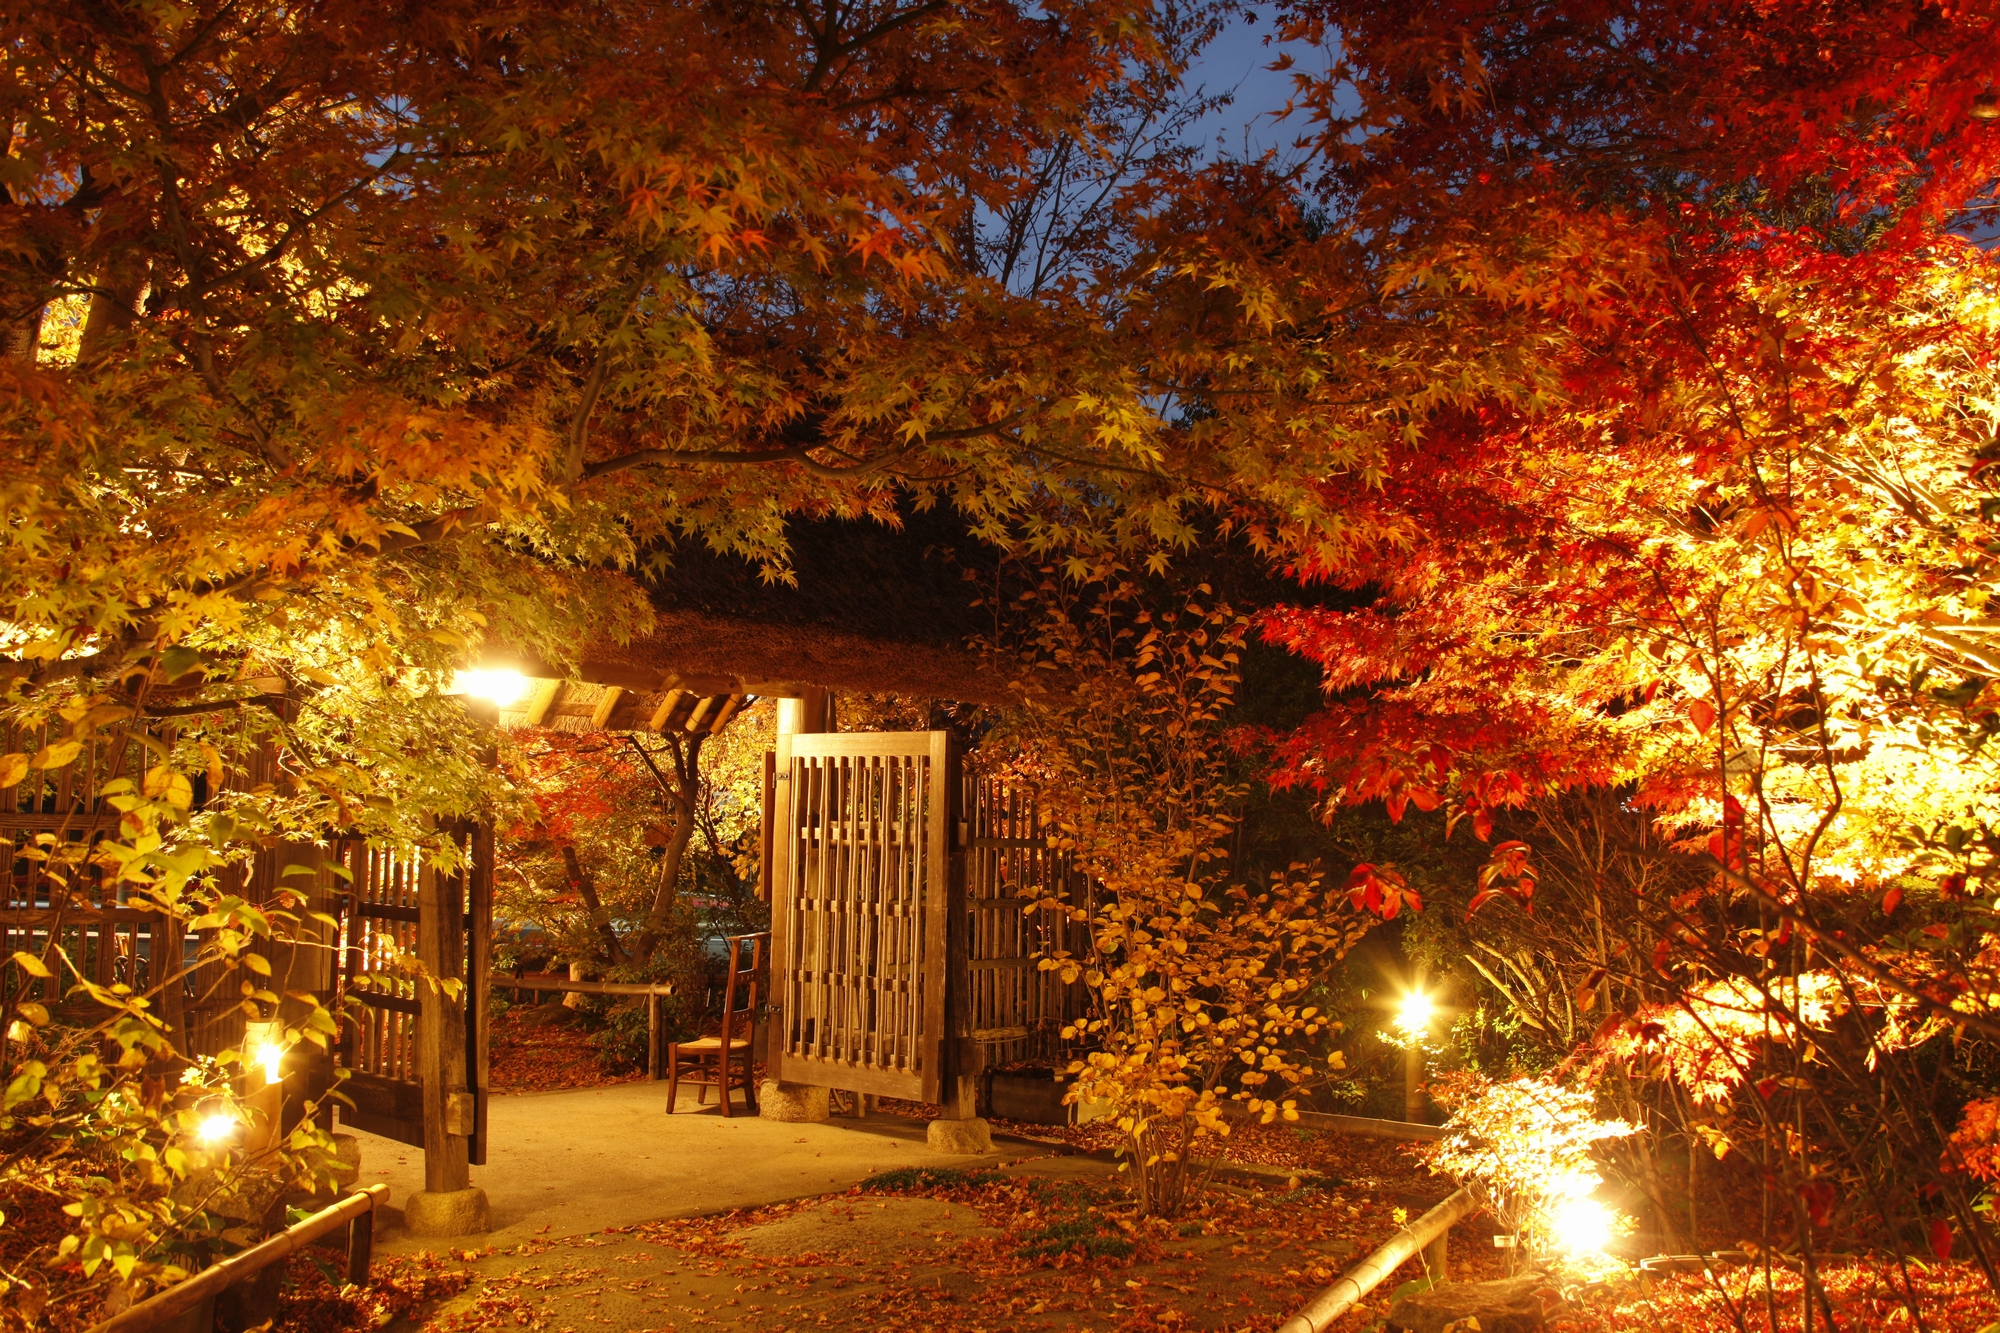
1199 987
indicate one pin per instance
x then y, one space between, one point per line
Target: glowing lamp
216 1128
272 1056
1986 106
1581 1226
497 686
1414 1015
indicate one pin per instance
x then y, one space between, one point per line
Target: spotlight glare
272 1057
499 687
1414 1015
1581 1226
216 1128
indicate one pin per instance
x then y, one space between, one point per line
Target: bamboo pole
1320 1312
184 1296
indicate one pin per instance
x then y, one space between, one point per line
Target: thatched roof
872 609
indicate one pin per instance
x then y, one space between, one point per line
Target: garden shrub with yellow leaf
1200 988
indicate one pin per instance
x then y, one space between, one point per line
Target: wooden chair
720 1052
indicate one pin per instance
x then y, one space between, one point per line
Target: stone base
1511 1305
346 1162
447 1213
795 1103
961 1138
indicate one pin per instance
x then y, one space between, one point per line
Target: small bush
910 1179
1078 1233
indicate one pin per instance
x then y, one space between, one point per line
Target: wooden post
653 1038
304 959
959 1130
478 973
360 1247
1437 1257
805 715
441 1030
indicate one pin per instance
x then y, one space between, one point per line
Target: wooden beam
668 703
701 710
606 705
701 684
542 699
727 711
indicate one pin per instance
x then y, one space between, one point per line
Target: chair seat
711 1044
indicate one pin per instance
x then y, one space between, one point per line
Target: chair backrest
743 980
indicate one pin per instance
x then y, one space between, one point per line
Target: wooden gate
105 934
391 904
1017 1009
107 940
862 875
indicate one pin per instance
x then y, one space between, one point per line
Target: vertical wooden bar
779 819
939 941
478 990
441 1028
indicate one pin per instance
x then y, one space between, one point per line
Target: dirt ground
1049 1245
1045 1245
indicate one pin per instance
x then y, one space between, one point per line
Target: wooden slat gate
106 940
389 898
106 936
1017 1010
862 875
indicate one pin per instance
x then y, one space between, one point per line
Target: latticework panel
379 1034
859 917
104 937
1017 1009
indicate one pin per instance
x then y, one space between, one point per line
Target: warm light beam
1581 1226
499 687
1414 1015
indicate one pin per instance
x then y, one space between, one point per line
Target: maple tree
599 863
344 343
1665 417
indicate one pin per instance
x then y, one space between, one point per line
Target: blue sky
1238 60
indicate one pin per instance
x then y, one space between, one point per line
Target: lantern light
272 1056
1986 106
1414 1015
216 1128
496 685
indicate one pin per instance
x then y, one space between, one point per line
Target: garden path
582 1159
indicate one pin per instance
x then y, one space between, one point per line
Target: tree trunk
666 896
582 882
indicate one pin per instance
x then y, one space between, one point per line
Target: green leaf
177 662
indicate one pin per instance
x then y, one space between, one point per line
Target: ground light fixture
267 1047
498 686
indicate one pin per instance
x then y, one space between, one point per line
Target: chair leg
722 1081
673 1074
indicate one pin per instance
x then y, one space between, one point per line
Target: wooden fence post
448 1205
